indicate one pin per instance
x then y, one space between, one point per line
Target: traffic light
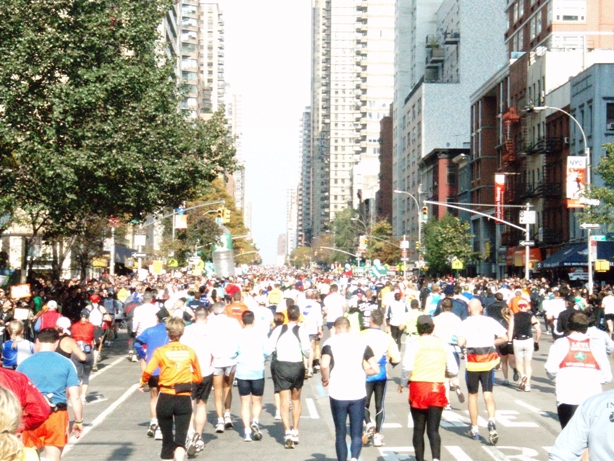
417 244
219 214
425 213
226 216
362 243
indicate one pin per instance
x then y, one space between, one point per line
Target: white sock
475 428
154 420
256 421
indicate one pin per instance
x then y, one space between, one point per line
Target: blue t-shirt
51 373
153 337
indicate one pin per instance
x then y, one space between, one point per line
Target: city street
117 418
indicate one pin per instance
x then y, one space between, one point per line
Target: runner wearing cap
520 330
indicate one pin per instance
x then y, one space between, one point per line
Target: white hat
52 305
64 324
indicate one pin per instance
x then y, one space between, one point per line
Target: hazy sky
268 62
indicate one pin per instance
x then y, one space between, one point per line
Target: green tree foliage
604 213
444 239
345 235
89 119
300 257
381 244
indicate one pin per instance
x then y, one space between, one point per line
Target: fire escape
510 118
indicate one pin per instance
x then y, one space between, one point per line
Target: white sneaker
219 427
227 421
248 437
158 435
368 433
134 358
295 436
378 440
277 415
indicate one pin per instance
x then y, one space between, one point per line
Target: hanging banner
181 221
499 195
576 180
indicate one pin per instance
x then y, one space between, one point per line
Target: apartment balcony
451 38
363 97
546 146
432 41
434 57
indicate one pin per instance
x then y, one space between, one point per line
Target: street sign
585 225
528 217
404 244
457 265
527 243
140 240
404 254
598 238
139 255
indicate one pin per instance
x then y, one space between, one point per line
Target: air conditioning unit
611 126
566 140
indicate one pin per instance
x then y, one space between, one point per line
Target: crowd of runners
196 337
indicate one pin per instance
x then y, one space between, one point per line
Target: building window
570 10
451 175
610 116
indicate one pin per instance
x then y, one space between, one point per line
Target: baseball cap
448 290
85 313
424 320
52 304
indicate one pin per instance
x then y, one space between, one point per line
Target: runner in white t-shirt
608 309
335 305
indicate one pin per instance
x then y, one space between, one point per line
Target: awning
535 255
575 254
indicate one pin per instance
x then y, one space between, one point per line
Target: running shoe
158 435
95 368
130 353
527 388
448 407
309 373
523 383
492 433
219 427
134 358
378 440
152 429
369 431
200 445
256 434
295 436
474 435
459 393
248 437
191 444
516 375
227 421
289 443
277 415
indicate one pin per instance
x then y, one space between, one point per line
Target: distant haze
268 62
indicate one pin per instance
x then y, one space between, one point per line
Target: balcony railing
451 38
434 57
545 146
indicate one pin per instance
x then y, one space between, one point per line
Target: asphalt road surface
117 416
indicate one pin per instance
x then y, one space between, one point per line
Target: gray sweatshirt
592 427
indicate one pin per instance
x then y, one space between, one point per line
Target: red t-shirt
35 407
83 332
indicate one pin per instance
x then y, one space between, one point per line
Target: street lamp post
417 202
587 153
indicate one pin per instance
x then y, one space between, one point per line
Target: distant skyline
268 62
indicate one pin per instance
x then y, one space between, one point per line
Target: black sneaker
151 430
516 375
492 433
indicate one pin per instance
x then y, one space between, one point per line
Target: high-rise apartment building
291 221
202 57
451 62
352 85
305 188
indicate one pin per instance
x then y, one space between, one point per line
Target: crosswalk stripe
313 411
458 453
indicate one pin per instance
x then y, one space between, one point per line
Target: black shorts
505 350
202 390
475 378
253 387
288 375
154 381
609 317
314 338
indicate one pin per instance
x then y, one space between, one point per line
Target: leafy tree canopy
604 213
89 119
445 239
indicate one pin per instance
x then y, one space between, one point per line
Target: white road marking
410 421
520 403
458 453
396 453
392 426
512 453
102 370
101 417
313 411
506 417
